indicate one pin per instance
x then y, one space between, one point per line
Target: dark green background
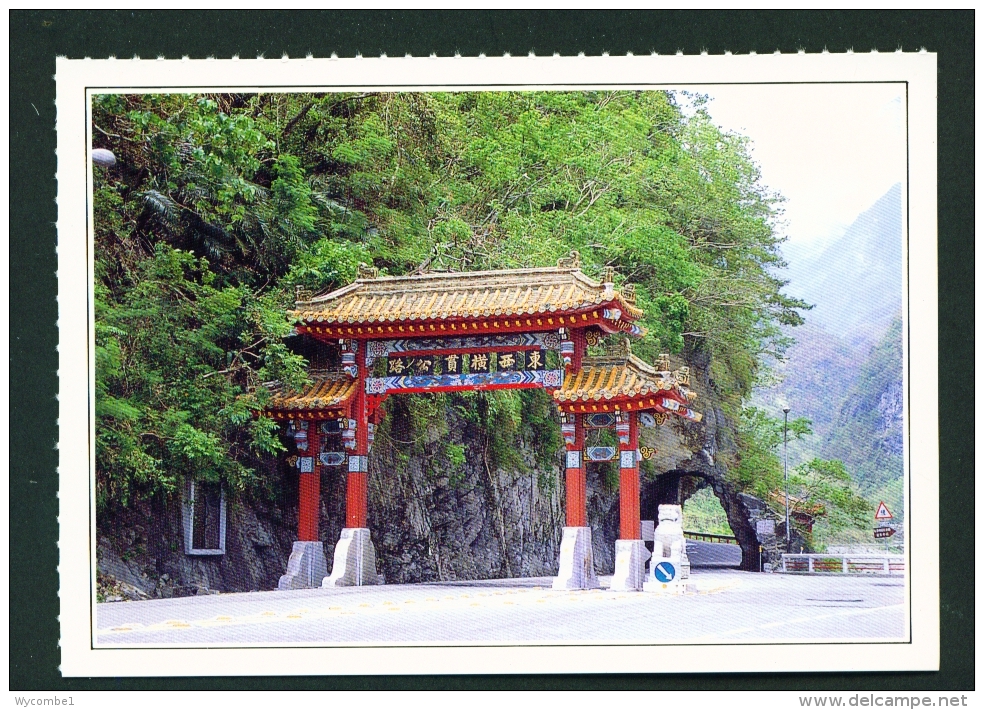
37 37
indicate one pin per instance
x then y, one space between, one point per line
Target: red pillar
576 479
357 484
309 497
580 346
628 488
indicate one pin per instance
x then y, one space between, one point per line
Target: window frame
188 521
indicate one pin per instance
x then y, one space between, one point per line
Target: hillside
868 433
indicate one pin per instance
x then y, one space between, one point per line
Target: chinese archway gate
452 332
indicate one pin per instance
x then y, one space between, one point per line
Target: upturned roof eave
594 294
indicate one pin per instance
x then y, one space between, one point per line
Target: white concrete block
306 567
630 565
355 560
576 561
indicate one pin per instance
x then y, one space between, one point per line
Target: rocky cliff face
435 519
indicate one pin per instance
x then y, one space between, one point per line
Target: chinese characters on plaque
461 363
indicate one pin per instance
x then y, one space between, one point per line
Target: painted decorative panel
472 380
383 348
599 421
333 458
601 453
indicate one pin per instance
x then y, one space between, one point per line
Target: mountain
868 434
817 373
844 370
856 282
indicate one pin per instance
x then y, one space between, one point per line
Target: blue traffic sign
664 572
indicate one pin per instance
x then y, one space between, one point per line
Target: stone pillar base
630 565
355 560
306 567
576 561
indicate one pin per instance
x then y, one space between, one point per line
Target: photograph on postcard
381 366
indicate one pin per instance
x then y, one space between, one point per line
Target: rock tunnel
676 486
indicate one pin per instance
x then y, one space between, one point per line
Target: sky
830 149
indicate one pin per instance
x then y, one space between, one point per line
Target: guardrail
843 564
711 537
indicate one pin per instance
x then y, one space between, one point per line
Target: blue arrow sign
664 572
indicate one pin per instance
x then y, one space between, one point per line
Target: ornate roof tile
464 295
328 390
625 378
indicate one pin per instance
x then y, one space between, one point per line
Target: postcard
498 365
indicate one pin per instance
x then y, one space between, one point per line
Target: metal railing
710 537
843 564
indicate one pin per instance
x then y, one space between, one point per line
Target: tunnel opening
725 510
703 513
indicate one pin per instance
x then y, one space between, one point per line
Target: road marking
450 604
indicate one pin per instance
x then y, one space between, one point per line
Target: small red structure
448 332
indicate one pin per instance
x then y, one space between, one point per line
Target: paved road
713 554
728 606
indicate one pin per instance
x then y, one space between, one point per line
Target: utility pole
785 465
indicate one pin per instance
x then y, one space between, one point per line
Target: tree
829 484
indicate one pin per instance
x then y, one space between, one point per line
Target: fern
162 206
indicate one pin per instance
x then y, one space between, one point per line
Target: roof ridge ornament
572 261
608 277
629 293
302 294
366 272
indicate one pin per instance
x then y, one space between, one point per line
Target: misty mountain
844 370
856 282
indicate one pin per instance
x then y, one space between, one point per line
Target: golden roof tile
328 390
389 299
619 377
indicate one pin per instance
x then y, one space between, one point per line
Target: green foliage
760 438
221 205
824 484
177 361
868 443
702 512
828 483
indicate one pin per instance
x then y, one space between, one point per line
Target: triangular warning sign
882 512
